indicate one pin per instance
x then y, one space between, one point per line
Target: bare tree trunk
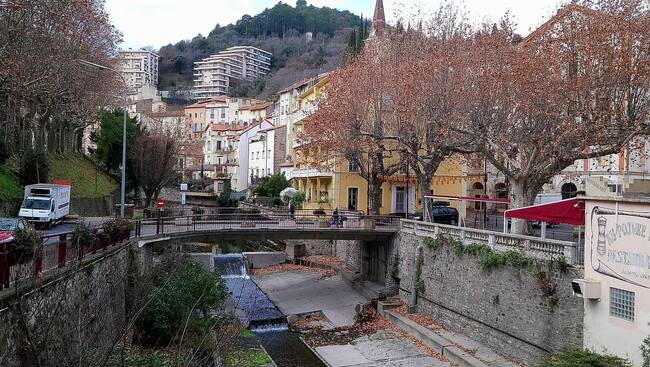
147 198
521 195
374 196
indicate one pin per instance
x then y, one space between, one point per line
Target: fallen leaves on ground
419 318
371 323
283 268
311 322
433 325
325 260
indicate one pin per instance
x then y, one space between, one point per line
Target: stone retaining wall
505 308
72 318
350 253
314 247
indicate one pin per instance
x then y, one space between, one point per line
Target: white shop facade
616 285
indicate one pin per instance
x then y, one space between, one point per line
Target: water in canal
265 320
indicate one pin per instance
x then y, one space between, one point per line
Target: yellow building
339 185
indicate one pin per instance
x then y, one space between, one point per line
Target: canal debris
368 323
331 261
282 268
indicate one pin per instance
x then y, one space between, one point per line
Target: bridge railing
543 249
58 250
249 220
54 251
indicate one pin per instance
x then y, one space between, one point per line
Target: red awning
568 211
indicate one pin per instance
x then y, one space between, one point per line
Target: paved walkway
303 292
382 349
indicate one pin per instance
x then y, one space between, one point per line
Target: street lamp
123 178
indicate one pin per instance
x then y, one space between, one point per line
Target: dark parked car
444 215
9 227
440 214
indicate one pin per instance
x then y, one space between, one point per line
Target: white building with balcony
267 152
220 145
212 75
140 71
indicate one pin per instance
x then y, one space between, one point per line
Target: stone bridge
266 227
58 249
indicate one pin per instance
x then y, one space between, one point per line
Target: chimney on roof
379 19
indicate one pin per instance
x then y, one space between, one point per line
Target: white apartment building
219 145
256 112
243 149
267 152
140 71
213 74
260 159
226 111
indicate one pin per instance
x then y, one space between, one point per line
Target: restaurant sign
620 244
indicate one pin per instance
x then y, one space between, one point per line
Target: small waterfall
247 296
231 266
263 318
266 326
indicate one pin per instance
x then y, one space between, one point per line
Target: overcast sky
159 22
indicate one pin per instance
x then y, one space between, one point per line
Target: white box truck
45 204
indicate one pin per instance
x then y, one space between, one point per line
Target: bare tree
576 88
427 91
154 159
46 96
351 122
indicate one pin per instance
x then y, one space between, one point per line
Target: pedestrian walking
335 217
292 211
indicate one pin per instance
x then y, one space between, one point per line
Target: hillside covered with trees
279 30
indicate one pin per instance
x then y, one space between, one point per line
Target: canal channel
254 308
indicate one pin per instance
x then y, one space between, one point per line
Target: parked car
9 227
439 214
444 215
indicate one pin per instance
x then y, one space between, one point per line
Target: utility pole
123 170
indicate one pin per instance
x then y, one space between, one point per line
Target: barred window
621 304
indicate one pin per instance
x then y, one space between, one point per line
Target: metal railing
58 250
494 222
543 249
54 251
250 220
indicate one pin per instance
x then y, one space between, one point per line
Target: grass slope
88 181
9 187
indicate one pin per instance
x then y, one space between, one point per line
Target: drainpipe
418 270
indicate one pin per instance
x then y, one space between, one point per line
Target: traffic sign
160 203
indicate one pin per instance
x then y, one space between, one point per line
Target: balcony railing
309 172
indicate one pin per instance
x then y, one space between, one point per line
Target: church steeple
379 19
